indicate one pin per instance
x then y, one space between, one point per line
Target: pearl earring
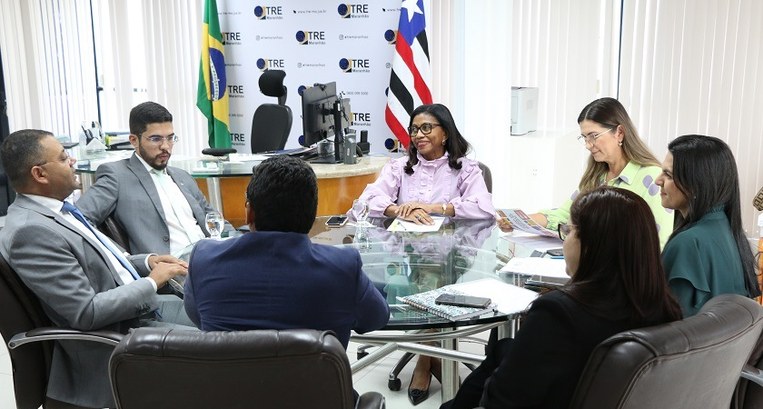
620 143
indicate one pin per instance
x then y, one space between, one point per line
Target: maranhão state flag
212 97
409 82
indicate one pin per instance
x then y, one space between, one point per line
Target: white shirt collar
54 205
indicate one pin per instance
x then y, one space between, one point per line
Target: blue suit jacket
277 280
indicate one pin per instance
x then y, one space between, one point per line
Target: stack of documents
536 266
404 225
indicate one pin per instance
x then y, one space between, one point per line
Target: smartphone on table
462 300
336 221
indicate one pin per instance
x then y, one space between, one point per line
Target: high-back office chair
487 175
692 363
271 123
170 368
24 322
111 228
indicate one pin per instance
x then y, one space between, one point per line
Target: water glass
215 223
360 211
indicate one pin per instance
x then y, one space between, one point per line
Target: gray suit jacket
78 288
125 188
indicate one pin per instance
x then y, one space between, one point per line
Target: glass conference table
404 263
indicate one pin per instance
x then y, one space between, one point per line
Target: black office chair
114 230
181 369
24 323
271 123
692 363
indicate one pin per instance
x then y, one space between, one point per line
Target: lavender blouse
432 182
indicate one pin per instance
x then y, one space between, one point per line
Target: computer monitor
318 104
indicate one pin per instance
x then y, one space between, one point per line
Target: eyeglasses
586 139
564 230
158 139
66 159
425 128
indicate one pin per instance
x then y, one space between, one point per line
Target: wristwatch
444 208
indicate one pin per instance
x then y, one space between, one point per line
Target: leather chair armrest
371 400
218 151
57 334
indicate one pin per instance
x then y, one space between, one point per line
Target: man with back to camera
274 277
81 278
160 207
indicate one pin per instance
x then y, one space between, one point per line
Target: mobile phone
336 221
462 300
555 253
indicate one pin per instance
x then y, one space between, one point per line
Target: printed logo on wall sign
352 37
237 139
268 12
235 91
391 36
265 64
309 11
355 65
311 37
361 118
231 38
301 89
353 10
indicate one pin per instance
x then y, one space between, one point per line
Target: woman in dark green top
708 253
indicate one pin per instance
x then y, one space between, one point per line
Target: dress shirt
55 206
639 179
182 225
703 261
432 182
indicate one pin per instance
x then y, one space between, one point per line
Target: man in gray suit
81 278
160 207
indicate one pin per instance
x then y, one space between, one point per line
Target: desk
225 185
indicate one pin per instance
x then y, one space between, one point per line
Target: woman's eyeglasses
564 230
591 138
425 128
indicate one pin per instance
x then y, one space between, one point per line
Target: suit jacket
78 288
125 189
278 280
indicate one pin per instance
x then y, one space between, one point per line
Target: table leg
215 196
449 371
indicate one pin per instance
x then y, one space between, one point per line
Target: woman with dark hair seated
708 253
612 253
435 177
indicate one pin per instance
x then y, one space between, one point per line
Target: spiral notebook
426 301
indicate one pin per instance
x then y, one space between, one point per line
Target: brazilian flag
212 98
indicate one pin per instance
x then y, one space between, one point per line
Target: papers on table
540 266
507 298
246 157
534 241
521 221
405 226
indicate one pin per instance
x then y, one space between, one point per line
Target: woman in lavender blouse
435 178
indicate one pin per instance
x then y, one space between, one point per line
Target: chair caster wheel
394 384
361 355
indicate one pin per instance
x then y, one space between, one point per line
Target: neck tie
107 243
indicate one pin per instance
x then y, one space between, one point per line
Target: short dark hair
620 270
455 144
705 171
147 113
283 193
20 152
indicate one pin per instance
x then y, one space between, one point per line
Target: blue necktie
122 260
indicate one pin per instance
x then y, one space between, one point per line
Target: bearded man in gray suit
160 207
81 278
